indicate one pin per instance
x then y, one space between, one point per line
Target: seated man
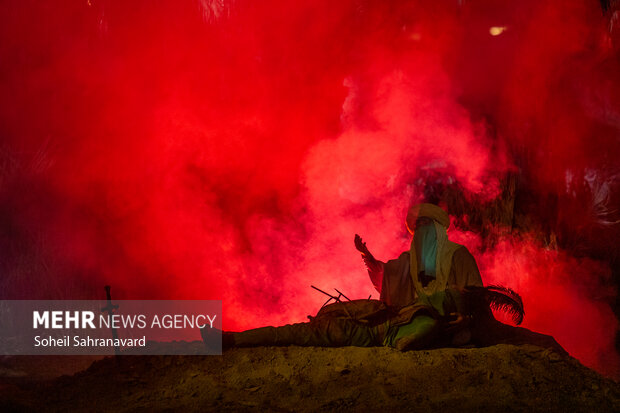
432 264
368 323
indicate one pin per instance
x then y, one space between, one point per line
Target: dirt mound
498 378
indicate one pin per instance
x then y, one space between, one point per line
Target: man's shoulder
403 257
463 260
461 253
404 254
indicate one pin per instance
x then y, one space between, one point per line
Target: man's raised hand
372 264
366 255
361 246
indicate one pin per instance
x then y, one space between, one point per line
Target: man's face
421 222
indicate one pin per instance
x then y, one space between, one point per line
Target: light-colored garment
396 285
398 280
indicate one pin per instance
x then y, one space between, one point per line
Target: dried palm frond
499 298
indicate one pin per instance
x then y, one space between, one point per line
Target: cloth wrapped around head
429 211
443 252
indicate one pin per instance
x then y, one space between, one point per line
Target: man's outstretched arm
375 267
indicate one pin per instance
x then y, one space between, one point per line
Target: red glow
183 150
564 296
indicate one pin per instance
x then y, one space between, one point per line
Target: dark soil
500 378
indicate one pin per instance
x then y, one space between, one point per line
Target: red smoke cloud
232 150
564 296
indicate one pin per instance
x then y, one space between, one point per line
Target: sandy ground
504 378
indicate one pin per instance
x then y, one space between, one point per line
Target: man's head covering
429 211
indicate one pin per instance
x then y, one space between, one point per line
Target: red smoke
563 296
231 150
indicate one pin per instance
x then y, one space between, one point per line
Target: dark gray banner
80 327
